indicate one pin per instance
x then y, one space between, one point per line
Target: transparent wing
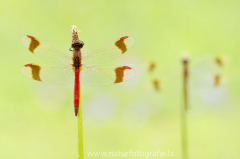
105 75
207 71
45 51
206 82
108 52
49 73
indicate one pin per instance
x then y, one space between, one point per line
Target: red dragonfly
77 64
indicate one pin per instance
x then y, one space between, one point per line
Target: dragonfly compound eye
77 44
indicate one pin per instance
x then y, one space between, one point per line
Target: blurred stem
184 134
80 129
184 108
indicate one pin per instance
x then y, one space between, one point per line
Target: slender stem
184 109
184 134
80 129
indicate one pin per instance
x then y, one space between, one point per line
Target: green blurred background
37 120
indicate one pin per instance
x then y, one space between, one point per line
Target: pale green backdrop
37 120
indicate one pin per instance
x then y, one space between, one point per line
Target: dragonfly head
77 44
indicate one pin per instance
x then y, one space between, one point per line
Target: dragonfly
204 75
75 66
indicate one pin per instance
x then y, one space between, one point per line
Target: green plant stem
184 134
80 129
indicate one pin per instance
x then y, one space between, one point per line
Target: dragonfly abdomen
76 90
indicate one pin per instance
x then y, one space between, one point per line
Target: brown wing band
33 45
156 85
36 72
121 45
152 67
217 80
219 61
119 74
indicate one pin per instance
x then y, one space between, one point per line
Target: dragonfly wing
45 51
209 64
105 75
207 71
108 52
49 73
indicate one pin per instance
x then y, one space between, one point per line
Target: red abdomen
76 91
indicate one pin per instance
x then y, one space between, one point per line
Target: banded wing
154 72
207 71
49 73
207 83
105 75
108 52
45 51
